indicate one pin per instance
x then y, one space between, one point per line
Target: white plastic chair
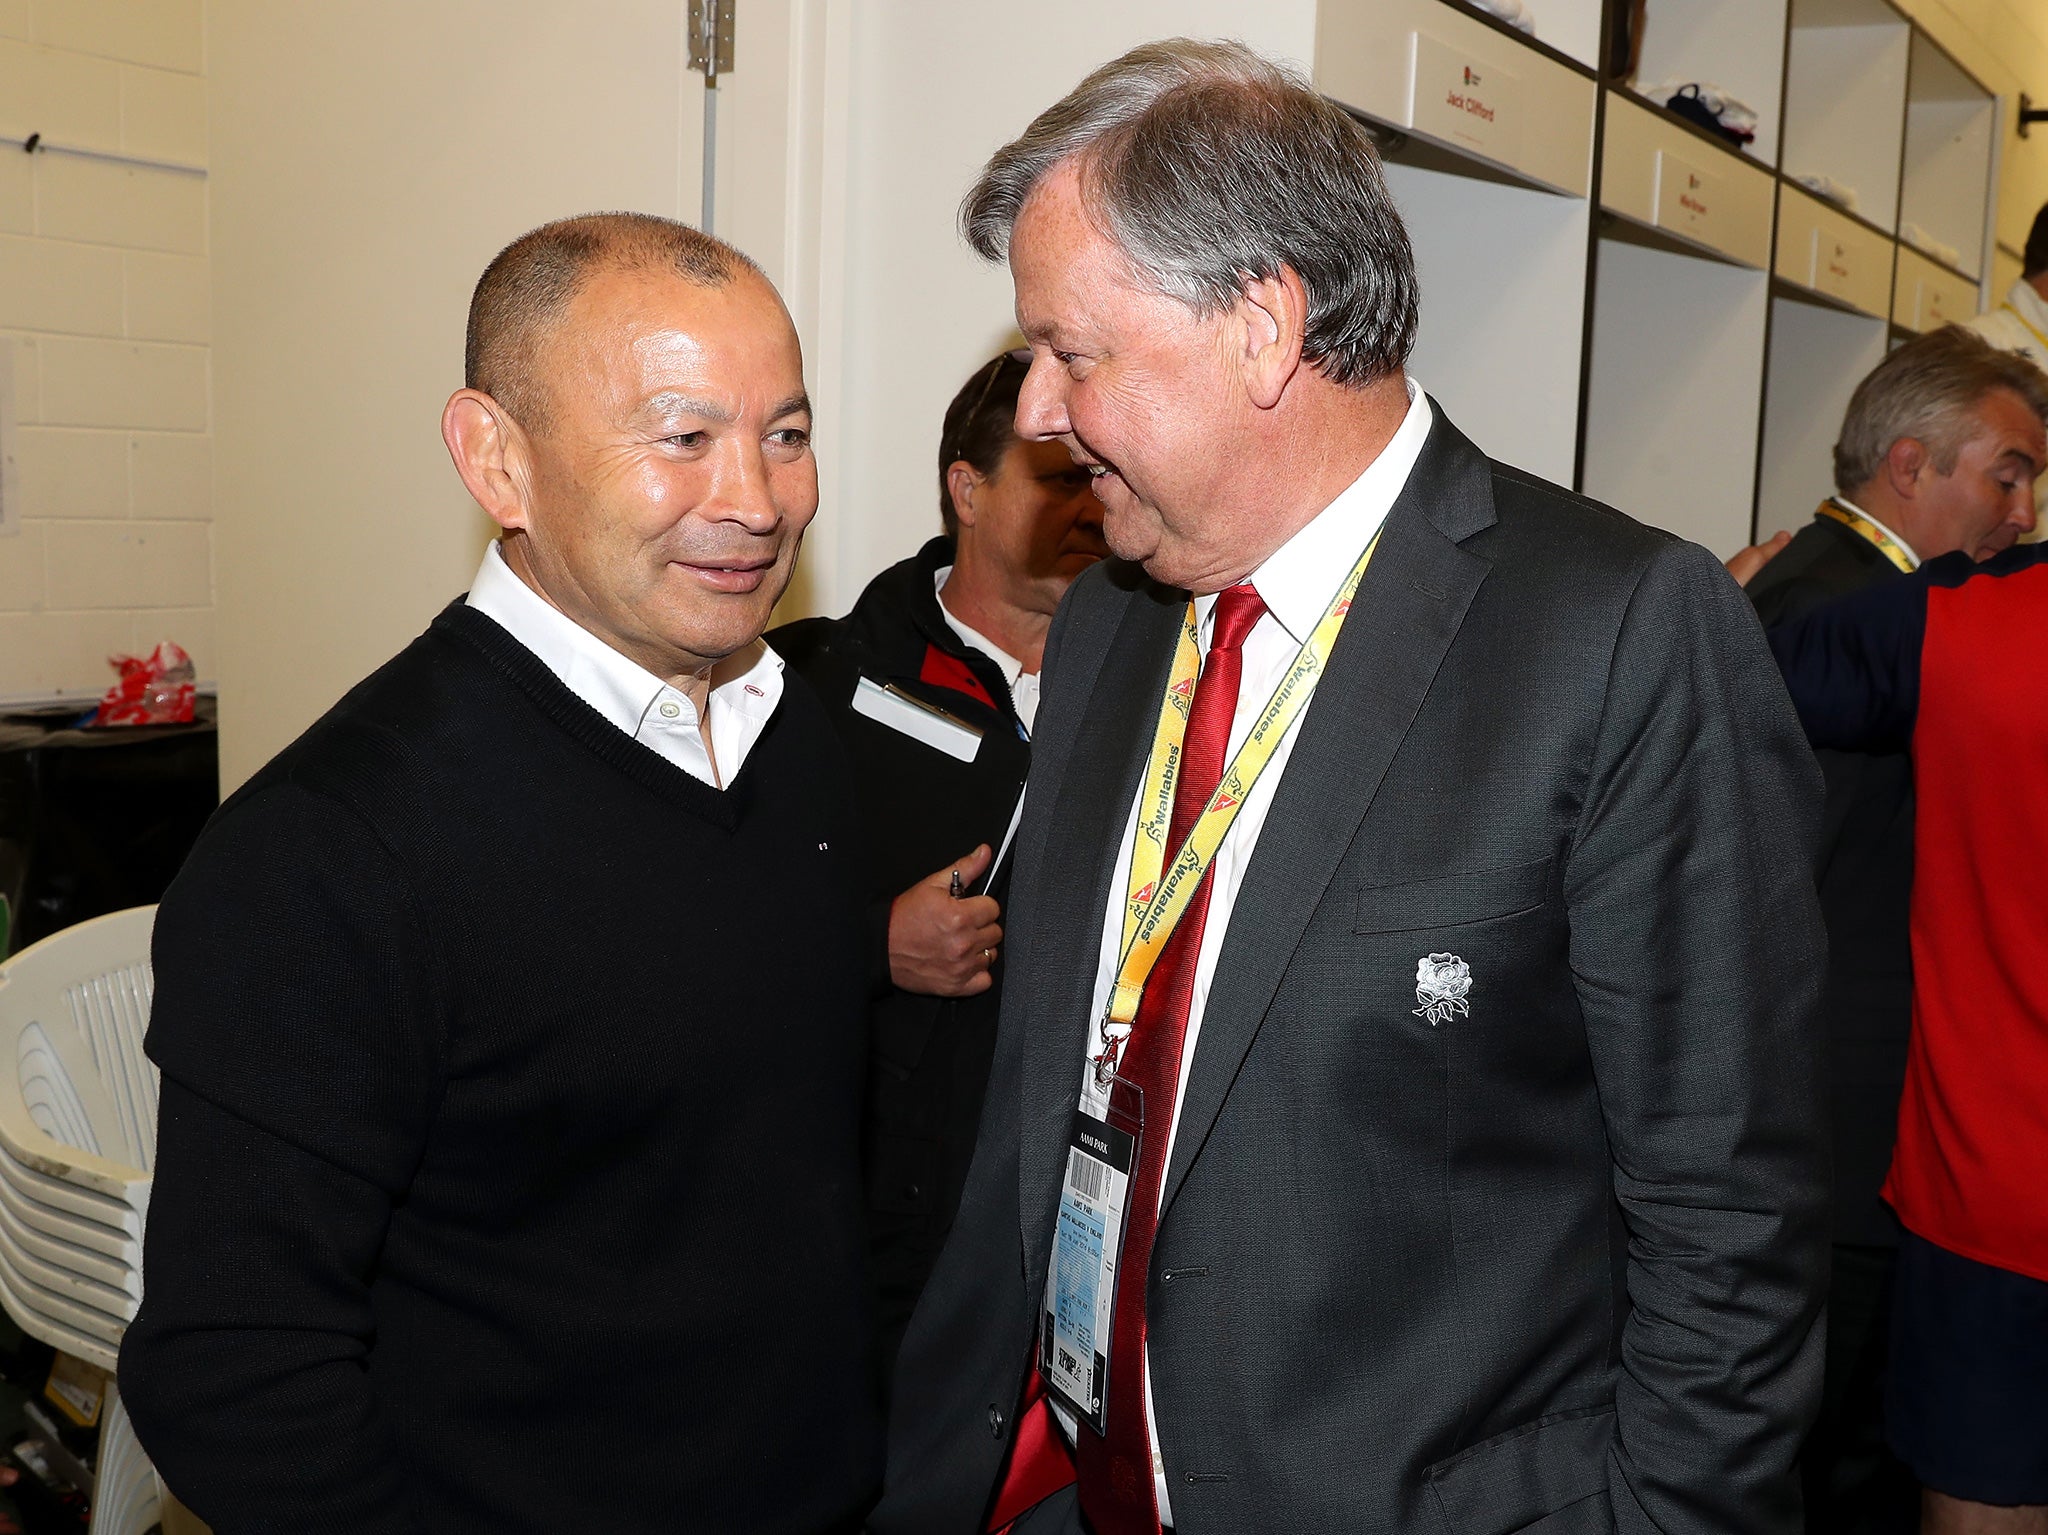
127 1498
77 1140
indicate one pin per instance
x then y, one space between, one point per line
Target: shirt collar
1904 548
1007 664
2029 305
1298 579
617 687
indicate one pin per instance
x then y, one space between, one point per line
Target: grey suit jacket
1556 1265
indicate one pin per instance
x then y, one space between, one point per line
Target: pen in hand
943 937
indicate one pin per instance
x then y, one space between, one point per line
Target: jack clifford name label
1837 269
1461 99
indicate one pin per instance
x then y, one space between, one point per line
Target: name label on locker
1837 266
1463 100
1932 312
1689 200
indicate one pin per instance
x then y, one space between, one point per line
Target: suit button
995 1420
913 1191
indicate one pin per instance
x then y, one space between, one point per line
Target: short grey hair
530 284
1929 390
1210 165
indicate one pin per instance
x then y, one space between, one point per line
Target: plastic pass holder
1088 1237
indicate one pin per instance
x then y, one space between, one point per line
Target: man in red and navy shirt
1934 456
1945 664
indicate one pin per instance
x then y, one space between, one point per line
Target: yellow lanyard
1856 522
1159 895
2030 325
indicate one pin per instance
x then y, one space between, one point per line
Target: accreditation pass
1080 1289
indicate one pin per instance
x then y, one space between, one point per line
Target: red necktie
1115 1470
1039 1463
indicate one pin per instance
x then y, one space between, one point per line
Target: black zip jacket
922 810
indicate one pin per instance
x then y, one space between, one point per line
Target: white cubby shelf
1623 300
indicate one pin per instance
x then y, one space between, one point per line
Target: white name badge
1080 1288
917 719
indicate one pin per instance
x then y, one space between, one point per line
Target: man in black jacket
932 680
507 1177
1920 471
1406 1112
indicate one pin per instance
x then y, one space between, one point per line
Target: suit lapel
1407 612
1088 815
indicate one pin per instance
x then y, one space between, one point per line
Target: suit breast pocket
1453 900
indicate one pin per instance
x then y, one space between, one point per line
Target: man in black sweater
512 1020
932 682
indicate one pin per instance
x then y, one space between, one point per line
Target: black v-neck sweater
508 1170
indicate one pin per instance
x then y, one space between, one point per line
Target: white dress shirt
745 687
1296 583
1904 548
1023 685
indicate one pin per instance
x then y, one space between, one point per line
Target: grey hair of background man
1929 390
1208 164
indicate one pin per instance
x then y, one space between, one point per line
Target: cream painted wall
369 159
104 304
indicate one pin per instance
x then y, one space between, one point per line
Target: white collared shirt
1904 548
746 686
1296 583
1023 685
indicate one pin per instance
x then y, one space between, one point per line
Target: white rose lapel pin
1442 982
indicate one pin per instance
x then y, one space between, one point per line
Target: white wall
1671 400
1818 357
369 159
2004 43
104 298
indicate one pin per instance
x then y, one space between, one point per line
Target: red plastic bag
153 690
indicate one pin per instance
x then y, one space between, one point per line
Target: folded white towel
1513 12
1840 193
1737 114
1940 250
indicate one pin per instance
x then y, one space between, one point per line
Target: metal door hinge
711 38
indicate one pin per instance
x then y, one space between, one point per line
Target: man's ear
1272 316
1904 462
963 484
491 454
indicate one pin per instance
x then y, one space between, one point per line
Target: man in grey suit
1407 1111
